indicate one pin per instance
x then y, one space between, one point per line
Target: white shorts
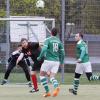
83 67
50 66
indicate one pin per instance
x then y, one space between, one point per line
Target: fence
80 16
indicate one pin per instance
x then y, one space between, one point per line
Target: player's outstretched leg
35 84
7 73
4 81
45 85
75 86
56 87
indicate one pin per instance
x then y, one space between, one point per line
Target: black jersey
34 50
14 55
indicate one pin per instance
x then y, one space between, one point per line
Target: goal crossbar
26 19
29 19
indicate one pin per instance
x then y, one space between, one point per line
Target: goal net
13 29
32 28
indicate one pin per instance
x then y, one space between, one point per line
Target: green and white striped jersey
82 51
53 50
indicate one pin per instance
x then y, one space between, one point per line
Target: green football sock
54 82
44 83
75 84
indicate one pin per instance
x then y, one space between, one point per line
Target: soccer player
53 53
32 49
12 63
83 64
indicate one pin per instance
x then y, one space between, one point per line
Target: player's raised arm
43 51
20 58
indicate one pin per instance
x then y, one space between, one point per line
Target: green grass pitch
13 91
21 92
68 78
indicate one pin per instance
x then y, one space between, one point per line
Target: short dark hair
81 35
54 31
23 39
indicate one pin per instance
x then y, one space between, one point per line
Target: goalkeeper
24 63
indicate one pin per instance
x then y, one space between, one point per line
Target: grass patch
68 78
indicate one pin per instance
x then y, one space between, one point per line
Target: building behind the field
93 42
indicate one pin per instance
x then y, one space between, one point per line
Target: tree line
84 13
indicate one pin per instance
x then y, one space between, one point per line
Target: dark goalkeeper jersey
34 50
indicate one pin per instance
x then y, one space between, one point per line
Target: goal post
30 26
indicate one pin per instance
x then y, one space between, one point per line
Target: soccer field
21 92
68 78
17 90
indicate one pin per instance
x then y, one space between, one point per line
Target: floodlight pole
7 30
62 32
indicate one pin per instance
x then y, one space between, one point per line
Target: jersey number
55 47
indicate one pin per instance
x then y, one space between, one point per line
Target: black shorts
37 65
